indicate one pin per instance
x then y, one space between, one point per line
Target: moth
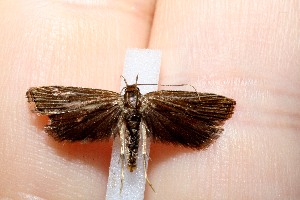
189 119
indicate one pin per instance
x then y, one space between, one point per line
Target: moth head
132 88
131 96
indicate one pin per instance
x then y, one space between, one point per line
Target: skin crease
247 50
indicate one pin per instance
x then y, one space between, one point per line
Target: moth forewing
188 119
77 114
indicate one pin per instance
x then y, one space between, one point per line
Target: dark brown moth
189 119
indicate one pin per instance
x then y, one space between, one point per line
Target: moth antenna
186 85
124 80
136 79
195 90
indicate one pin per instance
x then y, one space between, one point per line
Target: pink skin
248 50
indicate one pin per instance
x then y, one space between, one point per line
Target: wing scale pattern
77 114
183 118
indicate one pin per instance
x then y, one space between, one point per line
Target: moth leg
122 154
144 152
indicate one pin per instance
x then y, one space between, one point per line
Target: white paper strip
146 64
